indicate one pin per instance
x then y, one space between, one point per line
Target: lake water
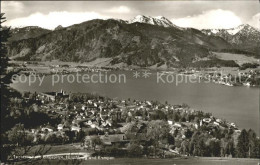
236 104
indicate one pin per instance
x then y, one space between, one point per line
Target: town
247 75
100 127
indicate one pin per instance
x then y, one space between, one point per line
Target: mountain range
244 37
143 41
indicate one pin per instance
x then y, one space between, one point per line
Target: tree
135 150
51 138
6 93
17 135
188 133
243 144
201 148
112 151
214 147
5 34
253 144
5 77
80 136
193 142
258 146
231 148
71 135
184 147
197 146
95 141
128 60
171 139
157 131
176 116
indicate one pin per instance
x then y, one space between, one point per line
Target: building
170 122
60 127
52 96
113 139
47 128
75 128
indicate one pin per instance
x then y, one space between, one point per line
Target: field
238 58
75 148
140 161
57 149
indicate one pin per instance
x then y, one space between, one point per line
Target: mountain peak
243 27
58 27
140 16
248 27
160 20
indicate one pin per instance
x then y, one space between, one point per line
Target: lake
235 104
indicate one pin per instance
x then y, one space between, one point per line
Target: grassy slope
238 58
134 161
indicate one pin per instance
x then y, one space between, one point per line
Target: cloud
255 21
120 9
209 20
53 19
12 6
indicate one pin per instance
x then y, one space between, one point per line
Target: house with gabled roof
114 139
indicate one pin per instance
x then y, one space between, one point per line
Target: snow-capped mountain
132 43
233 31
160 20
244 28
137 44
243 37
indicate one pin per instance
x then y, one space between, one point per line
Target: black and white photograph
130 82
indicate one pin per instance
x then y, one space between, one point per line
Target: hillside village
119 128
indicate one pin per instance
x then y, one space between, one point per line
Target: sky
196 14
